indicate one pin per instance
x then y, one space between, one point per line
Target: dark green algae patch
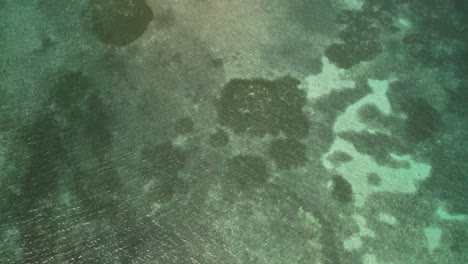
118 22
259 106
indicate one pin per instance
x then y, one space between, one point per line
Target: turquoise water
217 131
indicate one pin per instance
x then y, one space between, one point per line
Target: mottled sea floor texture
222 131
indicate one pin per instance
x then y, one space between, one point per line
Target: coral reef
342 190
259 106
184 126
360 39
248 171
219 138
118 22
288 153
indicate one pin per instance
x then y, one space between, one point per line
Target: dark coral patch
165 159
371 114
118 22
419 47
338 157
342 190
166 18
183 126
377 145
98 125
346 55
374 179
288 153
261 106
326 109
70 90
422 121
83 110
458 98
219 139
163 164
360 38
247 171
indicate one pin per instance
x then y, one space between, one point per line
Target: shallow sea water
249 131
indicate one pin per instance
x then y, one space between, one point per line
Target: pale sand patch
392 180
402 180
350 119
354 242
387 218
433 235
350 4
443 214
329 79
370 259
361 221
